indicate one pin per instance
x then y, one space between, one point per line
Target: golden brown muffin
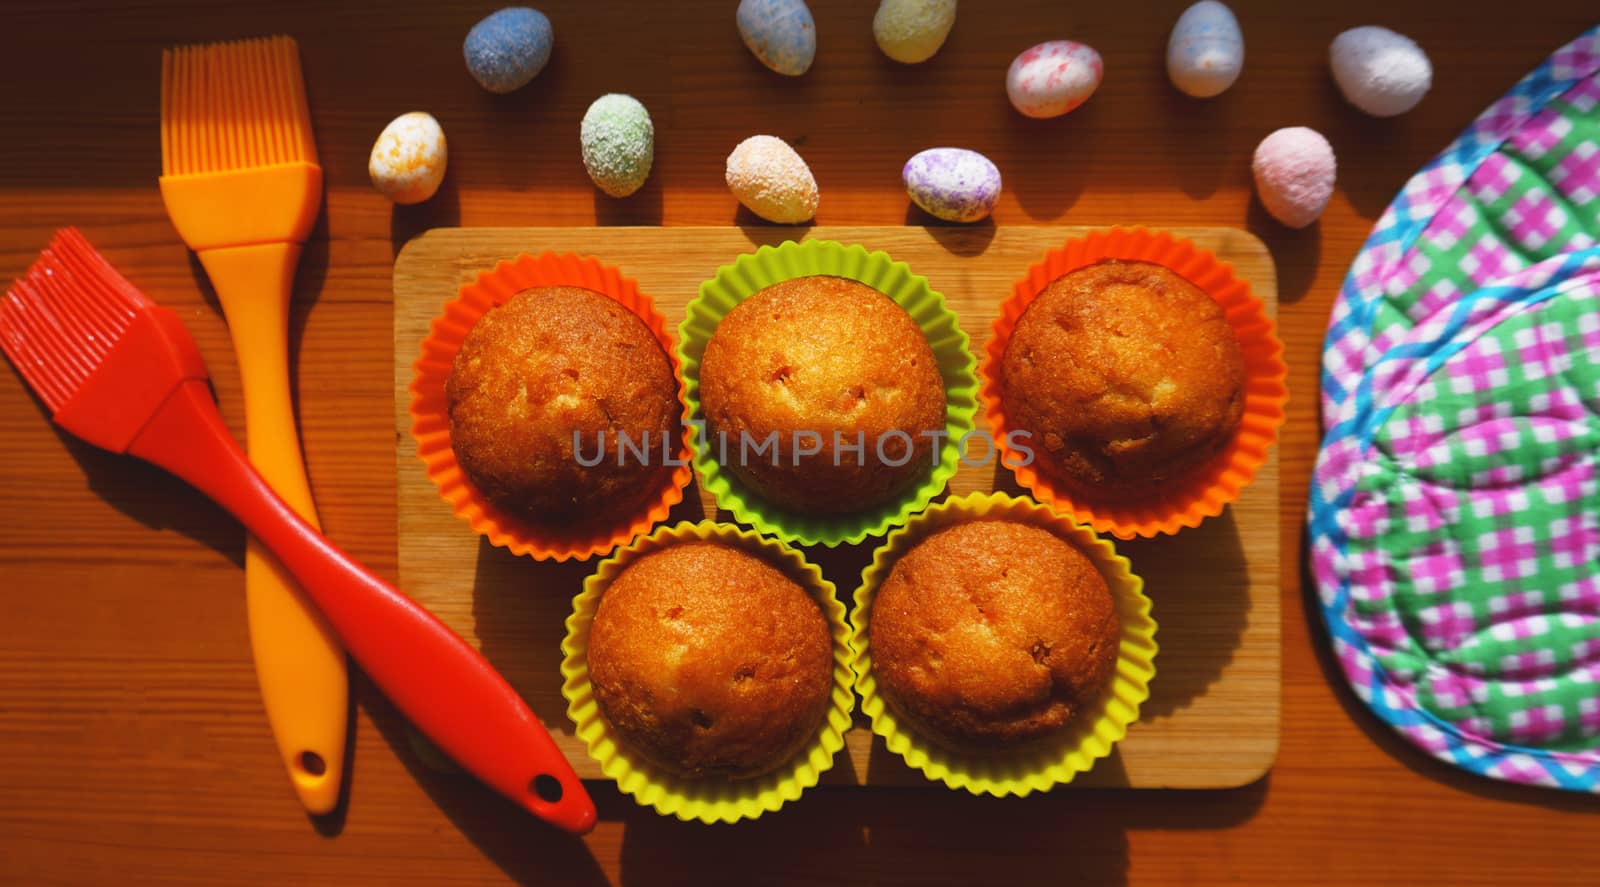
992 634
711 662
830 356
548 363
1125 375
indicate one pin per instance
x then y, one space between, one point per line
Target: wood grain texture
135 748
1212 717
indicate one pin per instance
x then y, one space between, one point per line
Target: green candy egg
618 144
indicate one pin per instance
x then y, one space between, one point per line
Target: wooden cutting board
1212 717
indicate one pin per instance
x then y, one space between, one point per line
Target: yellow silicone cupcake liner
705 800
1090 737
768 265
430 419
1188 501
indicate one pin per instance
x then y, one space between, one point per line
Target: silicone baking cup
705 800
1203 494
1088 739
430 419
768 265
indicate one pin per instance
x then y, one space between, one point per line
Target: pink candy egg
1053 78
1294 171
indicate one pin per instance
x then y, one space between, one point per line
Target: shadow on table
527 850
957 238
442 210
970 239
643 207
1295 252
1199 587
923 835
761 232
842 565
1189 122
1376 155
153 497
1059 154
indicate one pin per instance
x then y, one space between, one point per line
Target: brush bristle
58 323
238 105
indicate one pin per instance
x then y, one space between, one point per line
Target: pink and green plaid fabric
1455 506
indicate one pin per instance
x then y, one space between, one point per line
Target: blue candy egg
508 48
781 33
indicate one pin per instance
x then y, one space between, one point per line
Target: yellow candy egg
911 31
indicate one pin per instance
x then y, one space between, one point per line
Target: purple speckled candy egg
953 184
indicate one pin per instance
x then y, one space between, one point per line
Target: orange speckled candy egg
772 181
408 159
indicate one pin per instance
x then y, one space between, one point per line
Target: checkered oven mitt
1455 505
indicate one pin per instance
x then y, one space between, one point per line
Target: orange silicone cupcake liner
430 420
1204 493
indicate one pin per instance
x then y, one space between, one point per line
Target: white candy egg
1052 78
1206 50
1379 71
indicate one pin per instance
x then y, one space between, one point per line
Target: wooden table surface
134 746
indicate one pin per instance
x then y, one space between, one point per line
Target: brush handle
449 691
299 664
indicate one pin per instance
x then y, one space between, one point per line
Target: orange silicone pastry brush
242 185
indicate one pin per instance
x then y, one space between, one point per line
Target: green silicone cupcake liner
1084 742
768 265
705 800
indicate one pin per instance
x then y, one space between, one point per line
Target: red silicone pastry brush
122 373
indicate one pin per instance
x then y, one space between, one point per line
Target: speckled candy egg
911 31
1053 78
408 159
953 184
781 33
508 48
618 144
1206 50
771 180
1294 171
1379 71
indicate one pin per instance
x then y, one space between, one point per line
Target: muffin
842 379
709 662
992 635
540 394
1125 376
